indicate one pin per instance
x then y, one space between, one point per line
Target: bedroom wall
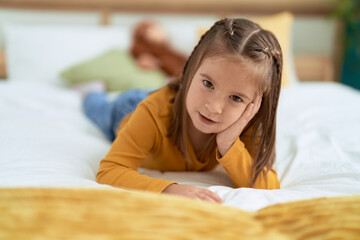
314 37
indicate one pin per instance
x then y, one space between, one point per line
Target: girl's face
219 93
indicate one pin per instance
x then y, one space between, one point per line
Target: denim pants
108 114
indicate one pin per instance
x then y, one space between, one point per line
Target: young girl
221 110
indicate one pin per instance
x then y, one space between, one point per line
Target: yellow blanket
59 213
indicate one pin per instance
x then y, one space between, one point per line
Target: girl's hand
227 137
193 192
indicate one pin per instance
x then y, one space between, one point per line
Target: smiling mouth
205 119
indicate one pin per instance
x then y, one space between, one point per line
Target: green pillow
117 69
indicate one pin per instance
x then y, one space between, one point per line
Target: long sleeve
238 162
134 143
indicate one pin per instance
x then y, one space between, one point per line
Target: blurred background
319 39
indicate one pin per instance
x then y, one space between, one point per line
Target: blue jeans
108 114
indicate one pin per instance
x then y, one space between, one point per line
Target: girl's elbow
103 176
100 177
272 180
274 185
268 182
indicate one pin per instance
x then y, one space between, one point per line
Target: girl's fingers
244 118
197 193
213 196
259 100
250 110
204 197
217 198
255 106
207 199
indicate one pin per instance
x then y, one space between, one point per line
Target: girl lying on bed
221 110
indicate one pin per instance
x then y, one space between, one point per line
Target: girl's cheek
233 117
238 114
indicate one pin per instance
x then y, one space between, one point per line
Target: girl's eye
208 84
235 98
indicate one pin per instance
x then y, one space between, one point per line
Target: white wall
311 35
45 17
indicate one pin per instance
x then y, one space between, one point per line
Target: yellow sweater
142 142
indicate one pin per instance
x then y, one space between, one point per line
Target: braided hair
243 40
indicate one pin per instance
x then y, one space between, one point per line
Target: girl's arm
238 163
134 143
236 159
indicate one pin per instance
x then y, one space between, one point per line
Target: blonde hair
245 41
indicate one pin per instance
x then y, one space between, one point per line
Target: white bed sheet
46 141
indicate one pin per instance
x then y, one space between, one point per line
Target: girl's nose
214 106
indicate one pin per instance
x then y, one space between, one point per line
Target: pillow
281 25
117 69
40 52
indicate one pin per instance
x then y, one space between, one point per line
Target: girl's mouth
205 120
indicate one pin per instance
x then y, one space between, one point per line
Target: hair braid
229 26
278 72
265 156
275 56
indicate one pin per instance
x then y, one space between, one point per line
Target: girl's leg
127 103
108 114
100 111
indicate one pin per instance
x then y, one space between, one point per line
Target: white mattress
46 141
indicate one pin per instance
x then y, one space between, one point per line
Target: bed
50 154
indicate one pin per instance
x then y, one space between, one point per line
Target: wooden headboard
221 8
224 7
